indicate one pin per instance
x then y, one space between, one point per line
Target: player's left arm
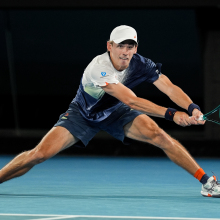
177 95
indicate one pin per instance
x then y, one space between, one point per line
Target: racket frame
205 116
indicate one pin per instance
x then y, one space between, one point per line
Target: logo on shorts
103 73
65 116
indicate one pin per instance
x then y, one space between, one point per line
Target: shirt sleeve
102 75
153 71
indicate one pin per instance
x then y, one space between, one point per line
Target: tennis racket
206 117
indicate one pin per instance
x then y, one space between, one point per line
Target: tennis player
105 101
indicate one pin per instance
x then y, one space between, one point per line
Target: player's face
121 54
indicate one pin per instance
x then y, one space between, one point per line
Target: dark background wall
50 48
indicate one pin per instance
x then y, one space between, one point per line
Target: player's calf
21 164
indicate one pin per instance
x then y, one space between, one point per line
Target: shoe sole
209 195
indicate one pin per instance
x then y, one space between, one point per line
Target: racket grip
201 118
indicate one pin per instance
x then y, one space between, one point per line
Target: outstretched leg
143 128
56 140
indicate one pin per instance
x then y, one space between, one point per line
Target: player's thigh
142 128
56 140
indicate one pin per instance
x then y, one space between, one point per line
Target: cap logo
103 73
134 36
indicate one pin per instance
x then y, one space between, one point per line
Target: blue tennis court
71 187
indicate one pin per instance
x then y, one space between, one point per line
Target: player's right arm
129 98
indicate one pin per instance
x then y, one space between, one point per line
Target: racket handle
201 118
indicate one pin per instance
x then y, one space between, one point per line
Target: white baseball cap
122 33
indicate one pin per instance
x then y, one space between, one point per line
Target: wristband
170 114
192 107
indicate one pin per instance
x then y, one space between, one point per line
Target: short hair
130 42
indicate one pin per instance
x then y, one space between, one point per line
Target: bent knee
156 135
162 140
37 156
151 131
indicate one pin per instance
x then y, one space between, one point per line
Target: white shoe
211 188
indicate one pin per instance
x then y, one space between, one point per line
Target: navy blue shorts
85 130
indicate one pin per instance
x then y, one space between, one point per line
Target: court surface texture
89 188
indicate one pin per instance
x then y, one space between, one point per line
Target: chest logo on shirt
103 73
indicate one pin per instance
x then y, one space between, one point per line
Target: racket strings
205 116
213 111
212 120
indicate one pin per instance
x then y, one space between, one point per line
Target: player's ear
109 46
136 49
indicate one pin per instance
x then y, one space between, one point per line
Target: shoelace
216 181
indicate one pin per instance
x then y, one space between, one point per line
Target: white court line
51 217
145 217
36 215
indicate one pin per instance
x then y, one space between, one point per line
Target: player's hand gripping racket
206 117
